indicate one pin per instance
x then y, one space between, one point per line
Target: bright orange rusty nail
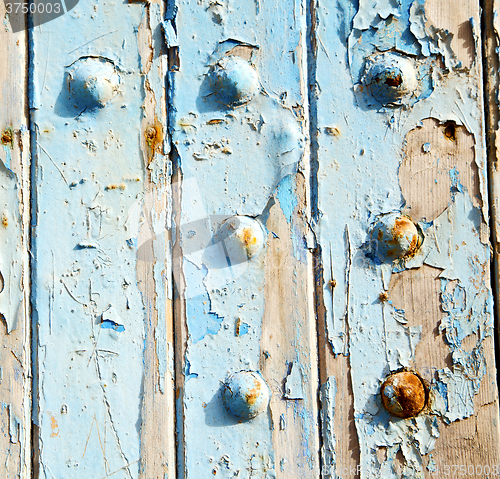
403 394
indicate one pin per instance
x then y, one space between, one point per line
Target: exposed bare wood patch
438 157
456 17
288 351
15 360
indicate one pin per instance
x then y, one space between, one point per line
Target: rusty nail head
404 394
243 238
395 236
245 394
150 132
8 137
390 78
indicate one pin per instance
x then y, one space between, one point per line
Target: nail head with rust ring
403 394
243 238
390 78
246 394
395 236
234 81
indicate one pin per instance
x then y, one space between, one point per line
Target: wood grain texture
492 81
15 355
288 340
455 17
154 271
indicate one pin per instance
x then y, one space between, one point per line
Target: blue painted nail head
93 82
234 81
246 394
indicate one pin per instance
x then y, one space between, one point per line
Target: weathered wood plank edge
491 79
15 378
35 430
177 277
158 455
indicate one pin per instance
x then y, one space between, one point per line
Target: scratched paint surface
360 147
239 155
235 160
11 266
88 311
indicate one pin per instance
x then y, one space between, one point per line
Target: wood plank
15 371
431 313
247 314
154 255
287 343
104 321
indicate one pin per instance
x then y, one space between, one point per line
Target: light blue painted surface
233 160
89 183
237 160
357 182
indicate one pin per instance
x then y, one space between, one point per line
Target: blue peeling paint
8 157
107 324
243 329
358 180
287 197
456 186
88 177
187 371
132 243
200 320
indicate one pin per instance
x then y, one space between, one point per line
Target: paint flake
328 393
293 383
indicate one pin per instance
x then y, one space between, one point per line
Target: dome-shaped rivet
234 81
394 237
403 394
93 82
243 238
390 78
246 394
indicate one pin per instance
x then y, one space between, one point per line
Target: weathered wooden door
248 239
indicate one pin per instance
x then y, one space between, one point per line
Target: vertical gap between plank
32 328
312 24
490 63
178 308
28 312
312 50
178 284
